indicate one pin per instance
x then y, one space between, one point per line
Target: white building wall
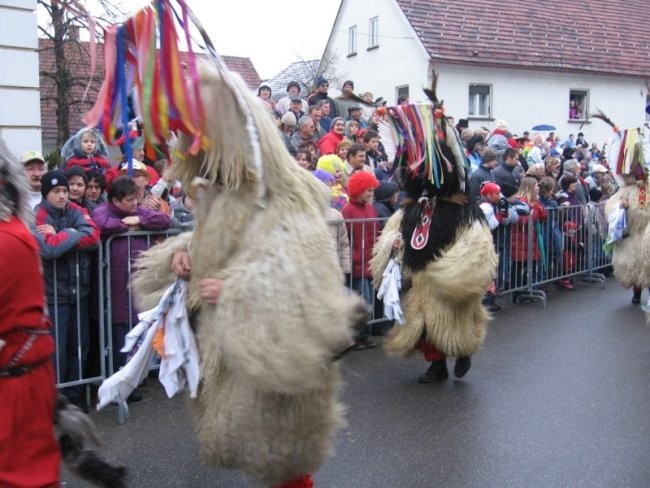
523 98
20 117
399 60
526 98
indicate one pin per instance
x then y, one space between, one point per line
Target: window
578 104
373 38
352 41
480 101
647 108
401 92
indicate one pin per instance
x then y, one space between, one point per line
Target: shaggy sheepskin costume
268 400
629 156
626 255
443 279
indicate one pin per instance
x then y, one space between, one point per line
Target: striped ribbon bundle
417 133
142 58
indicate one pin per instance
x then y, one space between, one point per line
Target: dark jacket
479 176
66 253
508 178
109 220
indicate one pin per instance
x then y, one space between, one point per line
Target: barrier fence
533 255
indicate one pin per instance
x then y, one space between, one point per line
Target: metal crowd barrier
567 245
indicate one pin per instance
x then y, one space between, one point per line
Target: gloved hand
502 206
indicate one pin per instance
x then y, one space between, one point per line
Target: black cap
53 179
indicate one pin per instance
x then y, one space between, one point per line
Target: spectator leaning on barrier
497 213
122 214
65 233
363 235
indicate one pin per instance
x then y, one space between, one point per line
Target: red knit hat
488 188
360 181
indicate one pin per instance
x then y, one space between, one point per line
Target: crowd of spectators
513 178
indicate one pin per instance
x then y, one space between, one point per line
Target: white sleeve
488 210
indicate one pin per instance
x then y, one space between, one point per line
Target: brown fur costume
444 299
268 400
445 280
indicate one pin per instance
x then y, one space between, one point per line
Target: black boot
437 371
462 366
636 298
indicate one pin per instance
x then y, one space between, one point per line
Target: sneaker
493 308
565 284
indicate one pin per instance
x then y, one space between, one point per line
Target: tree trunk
62 76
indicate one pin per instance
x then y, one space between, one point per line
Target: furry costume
629 156
446 277
626 258
268 399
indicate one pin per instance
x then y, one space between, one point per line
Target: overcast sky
273 33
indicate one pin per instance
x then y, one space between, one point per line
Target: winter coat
362 236
109 220
62 254
340 234
328 143
508 178
479 176
519 236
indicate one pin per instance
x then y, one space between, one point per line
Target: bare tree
65 62
327 68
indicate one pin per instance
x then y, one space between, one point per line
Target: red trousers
304 481
29 452
429 352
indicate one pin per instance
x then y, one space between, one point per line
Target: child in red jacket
363 234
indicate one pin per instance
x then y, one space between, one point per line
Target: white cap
29 156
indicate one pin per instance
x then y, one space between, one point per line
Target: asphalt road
558 397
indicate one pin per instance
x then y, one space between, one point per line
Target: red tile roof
601 36
78 55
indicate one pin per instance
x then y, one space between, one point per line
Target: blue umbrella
544 127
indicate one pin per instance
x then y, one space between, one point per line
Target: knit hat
289 119
324 176
263 85
293 83
489 188
360 181
330 163
76 170
53 179
321 80
386 190
566 181
348 82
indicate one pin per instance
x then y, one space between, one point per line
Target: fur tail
77 439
